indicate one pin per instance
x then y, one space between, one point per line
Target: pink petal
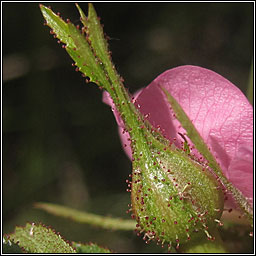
219 111
221 114
241 171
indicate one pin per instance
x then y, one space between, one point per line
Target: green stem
88 218
205 245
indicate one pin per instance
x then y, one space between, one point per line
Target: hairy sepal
174 198
175 206
241 201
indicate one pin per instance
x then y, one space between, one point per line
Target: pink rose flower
218 109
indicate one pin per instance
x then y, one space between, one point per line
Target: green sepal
89 49
152 155
77 47
201 146
174 199
59 26
93 29
84 57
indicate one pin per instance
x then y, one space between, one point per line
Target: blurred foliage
60 142
11 248
90 248
37 238
249 92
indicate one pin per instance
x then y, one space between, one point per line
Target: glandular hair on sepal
173 200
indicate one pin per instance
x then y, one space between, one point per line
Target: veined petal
219 111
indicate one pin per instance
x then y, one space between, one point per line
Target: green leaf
89 248
203 149
37 238
88 218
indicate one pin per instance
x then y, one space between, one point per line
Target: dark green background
60 142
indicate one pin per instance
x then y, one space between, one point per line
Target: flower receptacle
174 199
